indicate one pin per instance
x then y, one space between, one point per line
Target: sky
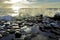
37 1
44 0
31 3
15 5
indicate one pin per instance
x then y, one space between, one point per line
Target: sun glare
14 15
12 1
16 8
16 5
16 1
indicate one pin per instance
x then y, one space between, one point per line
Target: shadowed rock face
57 16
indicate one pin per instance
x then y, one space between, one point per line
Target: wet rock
12 31
0 35
18 35
40 37
57 16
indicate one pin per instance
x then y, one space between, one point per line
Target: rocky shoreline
31 28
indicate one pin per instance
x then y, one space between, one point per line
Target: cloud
34 3
44 0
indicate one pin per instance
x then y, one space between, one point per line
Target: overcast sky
45 0
30 3
38 2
